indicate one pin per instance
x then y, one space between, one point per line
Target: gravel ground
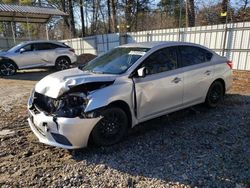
193 147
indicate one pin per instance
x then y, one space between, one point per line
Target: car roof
158 44
41 41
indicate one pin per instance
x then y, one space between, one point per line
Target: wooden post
13 33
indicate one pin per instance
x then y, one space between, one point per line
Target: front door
25 56
45 53
161 90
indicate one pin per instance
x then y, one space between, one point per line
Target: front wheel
62 63
215 94
7 69
111 128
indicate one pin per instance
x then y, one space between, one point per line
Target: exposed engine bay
71 104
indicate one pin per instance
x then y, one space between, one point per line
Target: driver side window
27 48
160 61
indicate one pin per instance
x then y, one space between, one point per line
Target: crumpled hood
58 83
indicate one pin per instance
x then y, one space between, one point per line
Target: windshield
116 61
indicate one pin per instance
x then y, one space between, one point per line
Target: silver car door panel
157 93
197 79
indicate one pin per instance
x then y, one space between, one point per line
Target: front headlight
71 105
31 99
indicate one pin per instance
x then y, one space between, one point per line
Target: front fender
4 59
107 95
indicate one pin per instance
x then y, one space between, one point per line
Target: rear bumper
68 133
73 59
228 78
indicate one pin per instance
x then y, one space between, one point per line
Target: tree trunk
190 13
72 20
136 14
113 17
128 17
82 18
94 17
109 16
65 20
223 10
245 4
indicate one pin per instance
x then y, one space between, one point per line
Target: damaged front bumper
68 133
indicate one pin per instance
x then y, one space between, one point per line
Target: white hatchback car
126 86
34 54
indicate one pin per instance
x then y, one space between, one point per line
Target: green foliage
1 28
25 2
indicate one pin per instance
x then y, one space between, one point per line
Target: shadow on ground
196 146
31 75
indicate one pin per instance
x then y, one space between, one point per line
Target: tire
62 63
111 128
7 68
215 94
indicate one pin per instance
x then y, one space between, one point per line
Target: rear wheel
8 68
111 128
215 94
62 63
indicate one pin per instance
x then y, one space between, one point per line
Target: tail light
72 50
230 64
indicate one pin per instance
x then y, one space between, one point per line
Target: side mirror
142 72
22 50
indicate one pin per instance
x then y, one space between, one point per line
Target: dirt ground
193 147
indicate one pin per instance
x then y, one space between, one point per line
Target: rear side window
191 55
65 45
54 46
161 61
42 46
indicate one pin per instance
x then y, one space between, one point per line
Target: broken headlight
71 105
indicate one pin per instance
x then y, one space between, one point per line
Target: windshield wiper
92 71
96 72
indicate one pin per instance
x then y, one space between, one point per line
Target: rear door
45 52
198 71
161 89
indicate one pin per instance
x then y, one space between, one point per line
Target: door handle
208 72
176 80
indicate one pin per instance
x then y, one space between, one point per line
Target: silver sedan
122 88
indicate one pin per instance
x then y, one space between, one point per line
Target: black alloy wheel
111 128
215 94
7 69
62 63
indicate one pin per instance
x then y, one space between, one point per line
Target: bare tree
109 16
224 6
94 16
245 4
190 13
114 16
82 18
72 19
128 14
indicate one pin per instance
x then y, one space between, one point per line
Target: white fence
233 41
